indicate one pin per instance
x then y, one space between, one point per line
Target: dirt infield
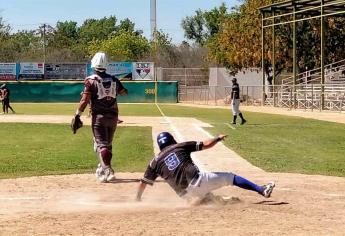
79 205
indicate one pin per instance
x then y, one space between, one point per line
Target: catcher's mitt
76 123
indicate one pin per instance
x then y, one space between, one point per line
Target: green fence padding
139 92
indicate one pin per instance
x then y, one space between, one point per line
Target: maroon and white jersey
103 89
175 165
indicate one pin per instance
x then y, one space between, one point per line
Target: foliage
93 29
204 24
125 46
238 44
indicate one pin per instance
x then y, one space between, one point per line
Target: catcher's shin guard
105 157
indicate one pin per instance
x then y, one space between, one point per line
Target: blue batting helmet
165 139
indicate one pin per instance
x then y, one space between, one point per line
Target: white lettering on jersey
171 161
108 91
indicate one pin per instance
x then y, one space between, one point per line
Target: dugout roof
294 11
283 12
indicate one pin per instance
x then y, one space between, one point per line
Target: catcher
102 90
175 165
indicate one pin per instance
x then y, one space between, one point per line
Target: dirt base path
79 205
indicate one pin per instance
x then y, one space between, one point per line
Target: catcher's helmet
165 139
99 61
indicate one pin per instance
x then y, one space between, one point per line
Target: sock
246 184
241 116
234 120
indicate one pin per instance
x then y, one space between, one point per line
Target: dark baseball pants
103 129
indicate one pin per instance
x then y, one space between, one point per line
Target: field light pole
153 21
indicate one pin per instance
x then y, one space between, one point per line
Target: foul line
230 126
173 127
202 130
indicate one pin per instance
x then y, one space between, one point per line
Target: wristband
78 112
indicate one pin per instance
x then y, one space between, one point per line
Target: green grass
273 142
278 143
44 149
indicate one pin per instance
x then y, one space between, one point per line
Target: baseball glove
76 123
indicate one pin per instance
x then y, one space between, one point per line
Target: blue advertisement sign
8 71
31 71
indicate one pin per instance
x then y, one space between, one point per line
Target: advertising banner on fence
65 71
122 70
143 71
7 71
31 71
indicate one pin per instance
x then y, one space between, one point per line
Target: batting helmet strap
165 139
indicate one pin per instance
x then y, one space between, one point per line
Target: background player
175 165
235 102
5 94
102 89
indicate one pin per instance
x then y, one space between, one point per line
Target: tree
204 24
125 46
238 44
93 29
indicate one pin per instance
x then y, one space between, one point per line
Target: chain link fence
307 97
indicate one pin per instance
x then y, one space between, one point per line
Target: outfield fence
307 97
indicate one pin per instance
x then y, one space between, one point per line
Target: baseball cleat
107 176
99 171
243 121
111 177
267 189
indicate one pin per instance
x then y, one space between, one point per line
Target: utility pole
44 42
153 20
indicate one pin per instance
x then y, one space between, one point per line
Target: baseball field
48 187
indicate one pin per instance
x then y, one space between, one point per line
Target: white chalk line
202 130
230 126
180 137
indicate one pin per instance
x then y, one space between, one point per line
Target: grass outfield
272 142
44 149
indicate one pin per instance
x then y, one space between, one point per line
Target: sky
29 14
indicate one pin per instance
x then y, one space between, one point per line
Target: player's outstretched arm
140 191
211 142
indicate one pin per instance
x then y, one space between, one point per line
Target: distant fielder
175 165
235 102
102 90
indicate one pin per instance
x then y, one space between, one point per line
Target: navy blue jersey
235 91
175 165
